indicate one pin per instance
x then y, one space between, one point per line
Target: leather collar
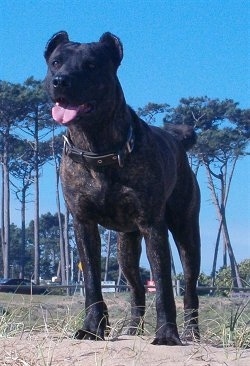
98 160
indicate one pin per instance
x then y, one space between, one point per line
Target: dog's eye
56 64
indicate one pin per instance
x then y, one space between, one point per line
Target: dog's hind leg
158 252
129 252
189 249
182 215
187 240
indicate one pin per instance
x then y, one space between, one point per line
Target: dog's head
81 78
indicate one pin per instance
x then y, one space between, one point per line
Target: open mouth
63 112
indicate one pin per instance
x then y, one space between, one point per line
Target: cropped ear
115 46
55 40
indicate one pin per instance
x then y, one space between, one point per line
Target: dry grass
37 331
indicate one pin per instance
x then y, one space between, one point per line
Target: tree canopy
29 141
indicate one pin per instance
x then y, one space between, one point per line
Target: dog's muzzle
61 81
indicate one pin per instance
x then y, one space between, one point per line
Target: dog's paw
167 341
79 334
84 334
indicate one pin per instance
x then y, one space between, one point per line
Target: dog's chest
109 200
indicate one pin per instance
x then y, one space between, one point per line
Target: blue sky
172 49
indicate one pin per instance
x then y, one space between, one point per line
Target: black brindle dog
127 176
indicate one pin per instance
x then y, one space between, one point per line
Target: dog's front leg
129 252
158 252
89 247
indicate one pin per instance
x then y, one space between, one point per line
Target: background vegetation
30 141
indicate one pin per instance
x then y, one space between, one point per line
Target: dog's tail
183 133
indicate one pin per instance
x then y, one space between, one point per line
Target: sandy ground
123 351
48 343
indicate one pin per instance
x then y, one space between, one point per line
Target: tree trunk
6 212
61 238
2 213
216 250
224 256
107 257
23 234
172 262
36 231
119 277
220 208
36 214
234 267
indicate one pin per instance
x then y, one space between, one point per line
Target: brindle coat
119 172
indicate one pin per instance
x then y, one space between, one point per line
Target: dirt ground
123 351
38 332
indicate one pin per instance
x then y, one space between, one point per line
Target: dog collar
96 160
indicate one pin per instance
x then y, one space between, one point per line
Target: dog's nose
61 81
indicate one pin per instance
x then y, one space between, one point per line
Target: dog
127 176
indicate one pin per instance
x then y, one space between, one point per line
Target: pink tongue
64 115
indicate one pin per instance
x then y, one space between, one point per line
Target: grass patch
226 322
223 321
47 320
